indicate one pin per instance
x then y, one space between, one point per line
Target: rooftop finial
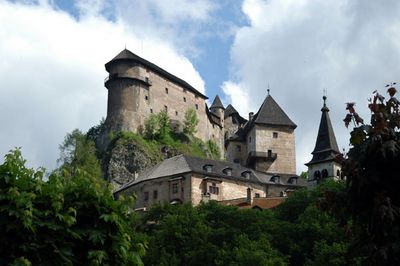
324 108
268 89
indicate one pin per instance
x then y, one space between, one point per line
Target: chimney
249 198
251 114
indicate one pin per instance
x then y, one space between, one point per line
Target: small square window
174 188
155 194
166 90
275 135
257 195
146 196
197 106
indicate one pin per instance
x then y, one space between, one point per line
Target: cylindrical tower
124 85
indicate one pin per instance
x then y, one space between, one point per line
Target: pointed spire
217 103
326 147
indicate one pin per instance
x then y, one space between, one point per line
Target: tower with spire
325 162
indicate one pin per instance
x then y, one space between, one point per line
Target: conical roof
217 103
270 113
326 147
128 55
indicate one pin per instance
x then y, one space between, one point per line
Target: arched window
324 173
317 175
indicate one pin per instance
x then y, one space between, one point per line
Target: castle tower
325 162
127 84
270 139
218 109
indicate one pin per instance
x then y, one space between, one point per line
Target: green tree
191 121
152 127
79 152
213 148
66 220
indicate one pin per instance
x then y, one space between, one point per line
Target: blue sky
53 54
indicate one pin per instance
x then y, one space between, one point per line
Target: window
275 135
227 171
236 160
197 106
176 112
238 148
166 90
337 172
146 196
166 108
246 174
146 97
317 175
214 189
249 139
257 195
151 111
155 194
184 99
174 188
324 173
208 168
184 90
269 153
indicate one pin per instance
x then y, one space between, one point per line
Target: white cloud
52 69
300 48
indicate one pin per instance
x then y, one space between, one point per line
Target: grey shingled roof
231 111
270 113
217 103
182 164
326 147
128 55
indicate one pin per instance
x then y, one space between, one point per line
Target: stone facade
183 179
137 88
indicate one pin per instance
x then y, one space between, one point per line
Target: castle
259 152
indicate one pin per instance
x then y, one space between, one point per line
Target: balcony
268 156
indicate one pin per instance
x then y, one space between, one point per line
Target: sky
52 56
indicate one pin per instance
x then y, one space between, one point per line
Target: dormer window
208 168
275 179
293 180
227 171
246 174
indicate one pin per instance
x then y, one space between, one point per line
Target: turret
218 109
325 162
125 81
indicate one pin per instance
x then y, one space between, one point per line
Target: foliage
191 121
208 235
95 131
79 152
213 149
158 126
372 169
65 220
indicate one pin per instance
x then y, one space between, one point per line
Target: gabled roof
270 113
217 103
326 147
231 111
128 55
182 164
